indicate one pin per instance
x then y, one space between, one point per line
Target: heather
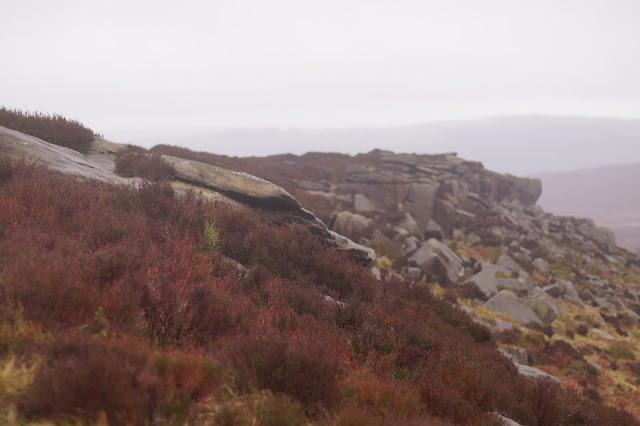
136 305
52 128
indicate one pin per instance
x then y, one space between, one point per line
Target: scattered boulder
603 334
433 230
493 278
362 204
536 373
544 307
435 257
508 303
541 265
420 201
532 372
564 289
348 223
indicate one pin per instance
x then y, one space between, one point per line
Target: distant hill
511 144
608 194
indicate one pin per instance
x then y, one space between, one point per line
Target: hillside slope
149 304
555 290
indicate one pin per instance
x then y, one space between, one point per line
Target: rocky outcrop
239 189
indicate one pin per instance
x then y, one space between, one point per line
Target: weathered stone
435 257
414 273
410 224
536 373
508 303
493 278
603 334
58 158
421 200
410 246
541 265
362 204
348 223
528 371
433 230
600 234
544 307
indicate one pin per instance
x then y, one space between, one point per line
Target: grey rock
536 373
58 158
603 334
500 326
519 354
410 246
410 224
241 187
508 303
420 201
532 372
414 273
544 307
362 204
435 257
345 222
541 265
493 278
433 230
505 421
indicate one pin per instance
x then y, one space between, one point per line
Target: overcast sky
132 68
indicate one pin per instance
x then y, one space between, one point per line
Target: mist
160 71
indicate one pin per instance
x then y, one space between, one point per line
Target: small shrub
300 366
133 161
52 128
211 236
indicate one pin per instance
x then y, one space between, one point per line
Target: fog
148 71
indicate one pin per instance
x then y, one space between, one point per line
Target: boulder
493 278
349 223
362 204
435 257
509 264
532 372
58 158
597 233
564 289
410 246
420 201
508 303
433 230
410 224
238 186
542 305
536 373
541 265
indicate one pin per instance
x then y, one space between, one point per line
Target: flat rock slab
57 158
238 186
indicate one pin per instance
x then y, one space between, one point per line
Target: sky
134 70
